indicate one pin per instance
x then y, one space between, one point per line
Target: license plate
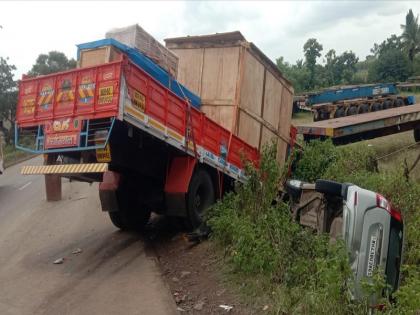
103 155
65 139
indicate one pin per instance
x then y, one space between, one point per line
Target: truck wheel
376 107
339 113
364 108
352 111
132 215
387 104
200 197
328 187
399 102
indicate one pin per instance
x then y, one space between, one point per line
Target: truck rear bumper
64 169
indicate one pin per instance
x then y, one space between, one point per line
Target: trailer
148 148
361 127
356 99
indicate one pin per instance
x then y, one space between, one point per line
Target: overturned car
370 227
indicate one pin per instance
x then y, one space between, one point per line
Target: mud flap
108 191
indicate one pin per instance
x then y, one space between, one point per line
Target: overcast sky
277 28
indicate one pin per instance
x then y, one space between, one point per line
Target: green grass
386 152
302 118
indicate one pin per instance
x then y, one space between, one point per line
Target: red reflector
396 214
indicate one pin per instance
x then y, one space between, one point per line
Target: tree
391 66
297 74
55 61
312 50
411 35
393 42
8 97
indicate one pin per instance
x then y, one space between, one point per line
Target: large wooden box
240 87
136 37
98 56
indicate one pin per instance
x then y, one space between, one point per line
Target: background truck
130 126
357 99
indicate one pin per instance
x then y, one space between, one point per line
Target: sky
278 28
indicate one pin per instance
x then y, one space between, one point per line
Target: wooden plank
190 68
220 74
272 101
249 129
285 113
223 115
252 85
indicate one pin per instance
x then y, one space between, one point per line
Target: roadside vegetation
293 270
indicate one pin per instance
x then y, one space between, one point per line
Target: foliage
312 50
411 35
392 65
54 61
8 96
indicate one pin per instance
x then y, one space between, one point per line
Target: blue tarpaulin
147 65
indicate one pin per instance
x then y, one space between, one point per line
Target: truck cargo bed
365 126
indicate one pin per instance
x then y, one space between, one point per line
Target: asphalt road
112 275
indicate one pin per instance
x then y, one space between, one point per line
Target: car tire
328 187
352 111
200 197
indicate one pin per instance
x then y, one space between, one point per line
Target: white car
370 227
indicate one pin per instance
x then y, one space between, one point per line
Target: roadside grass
11 155
302 117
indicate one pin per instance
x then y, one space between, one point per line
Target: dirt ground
193 272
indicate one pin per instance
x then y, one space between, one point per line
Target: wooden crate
136 37
240 87
98 56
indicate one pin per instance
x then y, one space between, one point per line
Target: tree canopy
54 61
8 96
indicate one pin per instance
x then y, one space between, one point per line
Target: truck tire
200 197
328 187
376 107
340 112
387 104
364 108
399 102
132 215
352 111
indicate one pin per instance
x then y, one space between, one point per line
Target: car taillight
381 202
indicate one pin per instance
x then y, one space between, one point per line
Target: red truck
147 146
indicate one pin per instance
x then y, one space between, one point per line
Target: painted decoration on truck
65 93
105 94
45 96
138 100
28 105
62 125
86 90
